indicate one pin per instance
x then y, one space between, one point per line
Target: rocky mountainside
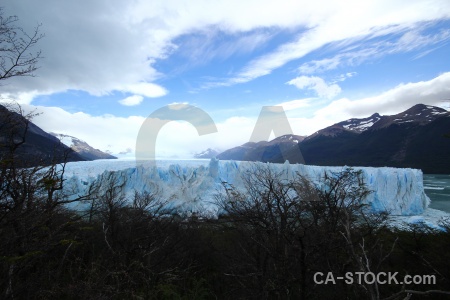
419 114
262 151
82 148
415 138
31 144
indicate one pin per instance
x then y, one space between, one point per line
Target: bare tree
17 58
288 229
273 218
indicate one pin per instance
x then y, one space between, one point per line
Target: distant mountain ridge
262 151
419 114
82 148
33 145
208 153
414 138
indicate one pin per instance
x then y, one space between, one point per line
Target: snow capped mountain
360 125
287 139
82 148
418 114
38 148
208 153
414 138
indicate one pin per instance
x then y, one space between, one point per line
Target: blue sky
109 64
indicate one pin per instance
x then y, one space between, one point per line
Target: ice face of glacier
190 187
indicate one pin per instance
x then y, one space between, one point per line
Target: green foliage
26 256
197 290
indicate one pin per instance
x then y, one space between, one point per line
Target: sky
108 65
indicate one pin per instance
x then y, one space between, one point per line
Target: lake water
437 187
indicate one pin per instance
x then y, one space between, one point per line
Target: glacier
190 186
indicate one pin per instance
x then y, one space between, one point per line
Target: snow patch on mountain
65 139
421 114
81 147
208 153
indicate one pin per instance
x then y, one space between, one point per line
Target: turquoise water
437 187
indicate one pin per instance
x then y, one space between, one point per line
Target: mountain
414 138
263 151
33 146
82 148
208 153
419 114
351 125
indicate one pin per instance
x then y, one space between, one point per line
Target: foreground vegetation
268 243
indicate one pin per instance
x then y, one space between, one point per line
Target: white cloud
390 102
355 52
322 65
178 105
317 84
87 46
343 77
200 48
176 138
393 101
181 138
132 100
295 104
21 97
99 46
105 132
146 89
414 39
336 23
